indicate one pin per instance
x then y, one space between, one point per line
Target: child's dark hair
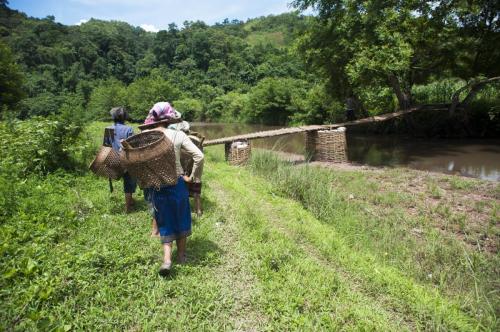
119 114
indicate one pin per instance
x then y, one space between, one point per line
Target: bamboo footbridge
323 142
293 130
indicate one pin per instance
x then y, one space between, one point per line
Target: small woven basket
107 164
238 155
149 157
327 145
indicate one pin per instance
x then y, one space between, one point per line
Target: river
466 157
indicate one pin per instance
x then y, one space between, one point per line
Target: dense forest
371 56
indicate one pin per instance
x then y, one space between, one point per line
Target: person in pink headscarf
171 208
161 111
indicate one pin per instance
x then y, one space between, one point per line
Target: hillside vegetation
283 69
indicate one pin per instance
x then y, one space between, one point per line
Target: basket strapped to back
186 159
107 163
149 157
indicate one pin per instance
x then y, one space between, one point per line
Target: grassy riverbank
278 247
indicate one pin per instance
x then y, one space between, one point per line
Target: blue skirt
172 211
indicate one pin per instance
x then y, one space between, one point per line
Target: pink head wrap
161 111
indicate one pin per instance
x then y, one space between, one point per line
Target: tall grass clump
373 219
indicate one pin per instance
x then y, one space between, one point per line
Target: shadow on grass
201 252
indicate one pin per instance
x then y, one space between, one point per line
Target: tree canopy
373 56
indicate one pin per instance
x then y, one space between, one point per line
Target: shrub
43 145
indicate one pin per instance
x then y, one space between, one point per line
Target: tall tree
11 79
364 44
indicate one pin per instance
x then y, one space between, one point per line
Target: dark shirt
121 132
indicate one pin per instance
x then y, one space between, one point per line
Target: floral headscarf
161 111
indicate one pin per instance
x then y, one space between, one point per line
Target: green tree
367 44
190 108
228 108
271 101
11 79
106 95
143 93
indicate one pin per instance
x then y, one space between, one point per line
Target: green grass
374 213
278 248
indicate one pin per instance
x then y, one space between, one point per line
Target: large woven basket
186 159
107 163
327 145
237 155
149 157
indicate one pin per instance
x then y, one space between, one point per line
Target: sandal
165 269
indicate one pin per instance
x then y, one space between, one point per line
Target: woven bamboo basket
107 164
149 157
186 159
238 156
327 145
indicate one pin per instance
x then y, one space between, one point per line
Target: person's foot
129 207
182 259
129 203
165 269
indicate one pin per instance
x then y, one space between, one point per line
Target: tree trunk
404 97
475 87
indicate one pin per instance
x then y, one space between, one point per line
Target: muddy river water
466 157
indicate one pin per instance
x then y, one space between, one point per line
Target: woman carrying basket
122 131
171 203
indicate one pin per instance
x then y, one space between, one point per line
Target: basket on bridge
149 157
107 164
238 152
327 145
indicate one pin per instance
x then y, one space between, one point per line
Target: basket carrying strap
110 185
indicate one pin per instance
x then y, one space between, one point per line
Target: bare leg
197 204
129 202
154 226
167 253
167 259
181 250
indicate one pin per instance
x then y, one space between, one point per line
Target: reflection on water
475 158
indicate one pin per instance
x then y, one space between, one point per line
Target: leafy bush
43 104
42 145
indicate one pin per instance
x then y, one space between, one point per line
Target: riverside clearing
279 247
